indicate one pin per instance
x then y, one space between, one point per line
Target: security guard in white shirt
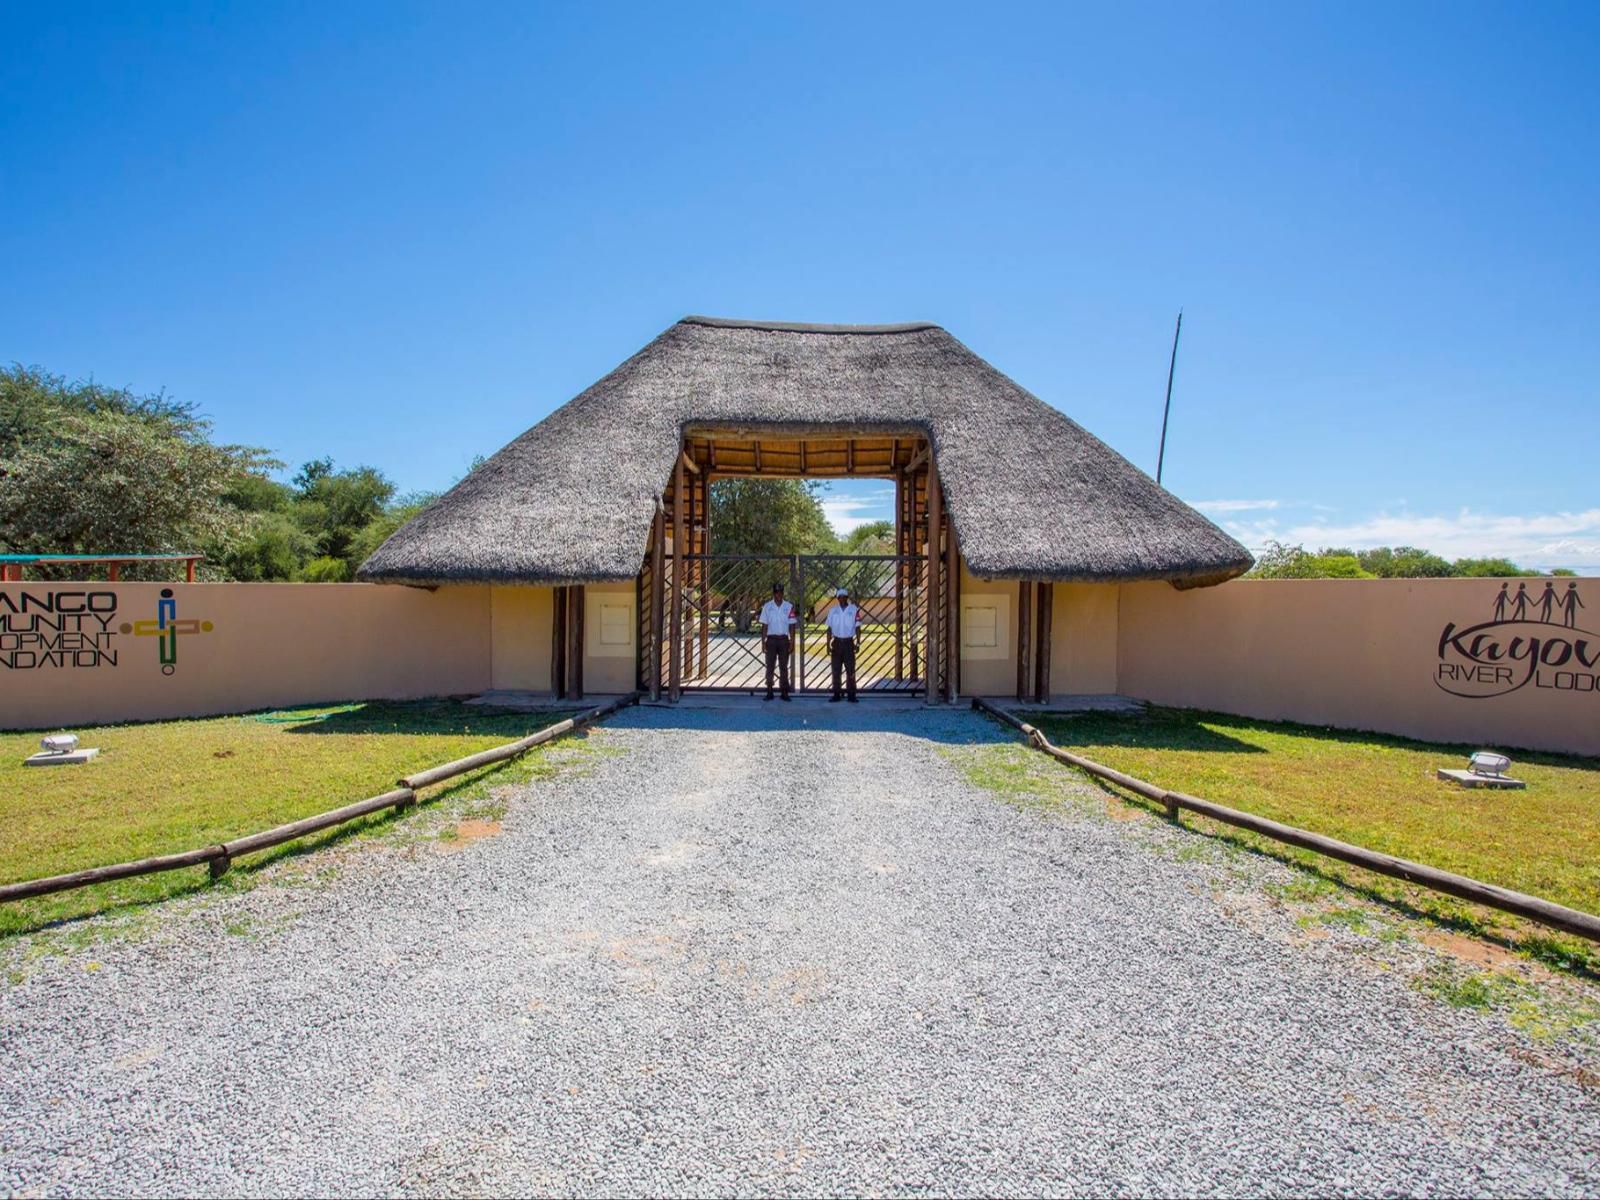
777 618
844 621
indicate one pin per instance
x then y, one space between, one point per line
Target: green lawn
1376 791
168 786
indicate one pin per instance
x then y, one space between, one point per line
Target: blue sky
400 234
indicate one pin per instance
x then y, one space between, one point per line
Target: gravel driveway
754 952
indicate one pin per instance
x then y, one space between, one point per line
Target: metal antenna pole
1172 366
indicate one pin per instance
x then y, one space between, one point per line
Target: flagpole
1172 366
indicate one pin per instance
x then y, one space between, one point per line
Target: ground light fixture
58 750
1485 769
1487 762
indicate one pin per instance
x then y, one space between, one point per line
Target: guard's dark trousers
843 654
778 652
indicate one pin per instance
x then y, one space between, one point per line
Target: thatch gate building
593 527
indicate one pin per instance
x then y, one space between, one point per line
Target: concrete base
1074 704
534 701
741 700
73 758
1468 779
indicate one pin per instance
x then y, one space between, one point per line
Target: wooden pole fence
1546 912
220 857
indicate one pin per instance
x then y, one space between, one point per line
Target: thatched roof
1032 494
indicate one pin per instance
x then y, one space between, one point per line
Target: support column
952 610
575 642
934 596
704 575
675 596
1045 599
658 583
899 575
558 643
1024 617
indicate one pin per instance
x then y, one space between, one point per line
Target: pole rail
1546 912
219 857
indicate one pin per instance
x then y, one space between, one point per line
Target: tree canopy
88 469
769 516
1280 561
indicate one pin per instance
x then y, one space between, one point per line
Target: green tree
1279 561
769 516
875 537
1488 568
1403 562
326 569
333 507
271 547
86 469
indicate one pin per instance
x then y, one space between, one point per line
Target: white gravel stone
756 952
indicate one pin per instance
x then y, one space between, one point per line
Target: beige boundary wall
1357 654
240 646
1372 655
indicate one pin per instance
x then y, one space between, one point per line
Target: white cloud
848 513
1544 540
1226 506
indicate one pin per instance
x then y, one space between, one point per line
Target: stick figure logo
1530 641
167 627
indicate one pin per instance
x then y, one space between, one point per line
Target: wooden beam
899 577
1045 601
558 643
1024 616
675 597
658 583
920 457
933 594
574 624
705 574
692 571
688 463
581 641
757 446
952 609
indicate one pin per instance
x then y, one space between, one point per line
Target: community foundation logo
168 628
1529 641
57 629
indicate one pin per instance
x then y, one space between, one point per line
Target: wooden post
575 650
934 598
1024 615
114 572
705 572
675 649
190 565
658 569
558 643
1045 600
899 573
952 609
686 667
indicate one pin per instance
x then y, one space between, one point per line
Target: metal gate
721 597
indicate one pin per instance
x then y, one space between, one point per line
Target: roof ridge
803 327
